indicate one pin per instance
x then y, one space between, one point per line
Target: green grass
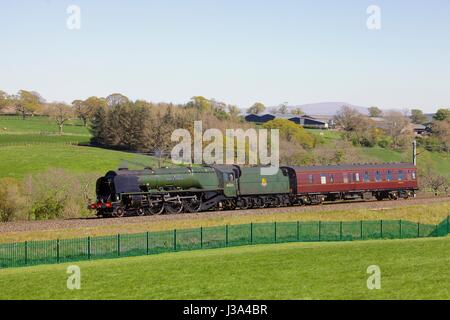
19 161
410 269
385 155
26 139
39 125
325 136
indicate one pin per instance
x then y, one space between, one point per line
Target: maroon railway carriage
315 184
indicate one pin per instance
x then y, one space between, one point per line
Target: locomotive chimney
414 151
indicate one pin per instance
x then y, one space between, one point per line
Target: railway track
21 226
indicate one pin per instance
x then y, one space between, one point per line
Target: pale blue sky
235 51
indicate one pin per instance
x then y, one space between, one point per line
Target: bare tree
436 182
347 118
397 126
61 113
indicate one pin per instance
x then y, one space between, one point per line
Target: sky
234 51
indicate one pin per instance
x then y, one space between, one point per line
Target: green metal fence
125 245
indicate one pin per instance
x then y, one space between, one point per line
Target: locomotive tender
195 189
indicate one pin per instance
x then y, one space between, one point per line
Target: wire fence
31 253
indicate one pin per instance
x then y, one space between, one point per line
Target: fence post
26 252
201 237
381 228
226 236
320 226
361 229
174 239
118 244
251 232
298 230
418 229
57 250
89 247
275 231
340 231
147 242
401 236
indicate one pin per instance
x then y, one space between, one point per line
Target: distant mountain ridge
327 108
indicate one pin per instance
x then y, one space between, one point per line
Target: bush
12 201
48 208
383 143
59 194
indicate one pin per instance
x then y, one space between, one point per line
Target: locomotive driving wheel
192 205
155 209
173 207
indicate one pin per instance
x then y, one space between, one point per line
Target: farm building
304 120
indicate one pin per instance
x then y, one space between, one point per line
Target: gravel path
96 222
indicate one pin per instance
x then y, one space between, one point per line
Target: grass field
39 125
410 269
18 161
426 214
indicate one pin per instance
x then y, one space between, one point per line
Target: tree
116 99
234 111
441 130
375 112
297 112
418 117
397 127
200 103
4 99
283 108
256 108
27 102
99 126
86 109
436 182
442 114
347 118
60 113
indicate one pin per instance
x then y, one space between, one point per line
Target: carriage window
366 177
413 175
345 177
389 175
356 177
323 179
378 176
310 178
331 178
401 175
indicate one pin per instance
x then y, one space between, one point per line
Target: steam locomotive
195 189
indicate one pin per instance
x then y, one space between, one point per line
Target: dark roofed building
259 118
304 120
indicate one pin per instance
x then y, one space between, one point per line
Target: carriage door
229 184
